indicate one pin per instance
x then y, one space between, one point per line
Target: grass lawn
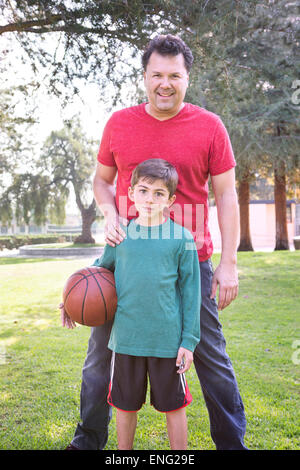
40 362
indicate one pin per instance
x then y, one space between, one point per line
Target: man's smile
165 95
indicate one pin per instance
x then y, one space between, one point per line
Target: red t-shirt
195 141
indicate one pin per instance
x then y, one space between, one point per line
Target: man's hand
65 319
114 234
226 276
184 360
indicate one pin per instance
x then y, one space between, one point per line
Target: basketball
90 297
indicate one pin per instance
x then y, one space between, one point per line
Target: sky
49 112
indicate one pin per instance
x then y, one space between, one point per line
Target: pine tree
248 61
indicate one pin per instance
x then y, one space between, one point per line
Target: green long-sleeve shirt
157 279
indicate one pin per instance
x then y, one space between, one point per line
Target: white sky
49 112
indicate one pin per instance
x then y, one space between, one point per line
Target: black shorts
128 383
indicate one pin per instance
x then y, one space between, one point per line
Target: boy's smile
150 199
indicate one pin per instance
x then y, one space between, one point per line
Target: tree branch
26 25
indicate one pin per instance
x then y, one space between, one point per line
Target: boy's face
150 199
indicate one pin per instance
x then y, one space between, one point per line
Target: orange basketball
90 296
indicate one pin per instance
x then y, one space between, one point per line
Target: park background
65 67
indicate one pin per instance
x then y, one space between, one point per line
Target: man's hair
154 169
168 45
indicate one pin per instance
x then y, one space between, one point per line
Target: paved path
52 252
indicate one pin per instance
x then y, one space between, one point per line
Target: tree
278 64
15 121
68 158
248 63
95 40
28 197
90 40
67 161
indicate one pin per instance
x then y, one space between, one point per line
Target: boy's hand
184 360
65 319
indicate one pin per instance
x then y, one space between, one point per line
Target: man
196 142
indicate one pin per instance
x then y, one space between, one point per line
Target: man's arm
226 275
104 192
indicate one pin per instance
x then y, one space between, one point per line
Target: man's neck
161 115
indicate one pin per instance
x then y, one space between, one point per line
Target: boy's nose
149 197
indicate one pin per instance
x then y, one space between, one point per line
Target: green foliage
67 159
246 60
14 123
87 38
28 197
15 241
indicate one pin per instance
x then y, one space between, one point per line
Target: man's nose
165 82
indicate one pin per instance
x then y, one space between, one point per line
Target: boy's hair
154 169
168 45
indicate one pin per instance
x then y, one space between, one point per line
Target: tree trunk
244 199
282 240
88 216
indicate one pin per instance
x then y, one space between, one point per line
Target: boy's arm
108 258
190 289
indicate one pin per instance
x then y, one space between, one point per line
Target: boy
157 325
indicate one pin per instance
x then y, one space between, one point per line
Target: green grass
40 362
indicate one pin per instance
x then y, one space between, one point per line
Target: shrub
15 241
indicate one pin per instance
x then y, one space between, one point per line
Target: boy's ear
130 193
172 200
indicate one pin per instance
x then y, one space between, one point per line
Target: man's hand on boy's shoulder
114 234
184 360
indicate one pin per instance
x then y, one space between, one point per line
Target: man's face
166 81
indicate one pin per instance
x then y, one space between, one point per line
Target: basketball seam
83 302
107 280
85 276
106 314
